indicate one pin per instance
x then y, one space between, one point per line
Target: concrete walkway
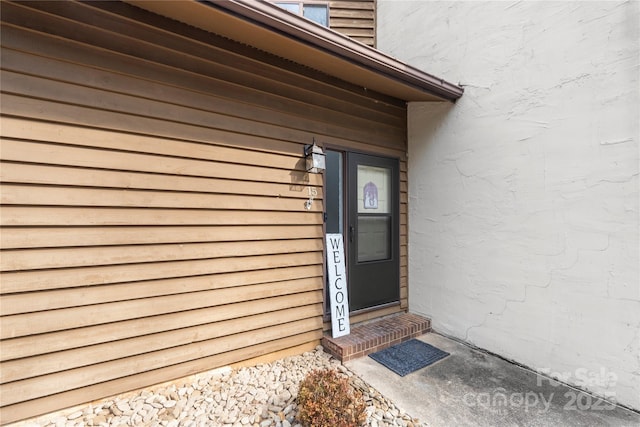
472 388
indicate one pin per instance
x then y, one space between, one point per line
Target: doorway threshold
369 337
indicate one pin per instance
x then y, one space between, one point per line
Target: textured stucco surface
523 196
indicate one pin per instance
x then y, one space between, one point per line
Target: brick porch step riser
374 336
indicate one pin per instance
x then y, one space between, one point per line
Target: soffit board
267 27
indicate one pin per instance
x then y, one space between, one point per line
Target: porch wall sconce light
315 158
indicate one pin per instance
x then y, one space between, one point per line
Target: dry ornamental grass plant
327 400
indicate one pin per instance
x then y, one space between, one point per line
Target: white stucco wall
523 196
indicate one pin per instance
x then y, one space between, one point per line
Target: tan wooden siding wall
355 19
153 200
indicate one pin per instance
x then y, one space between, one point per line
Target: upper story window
315 11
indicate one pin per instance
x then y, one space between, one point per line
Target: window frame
301 4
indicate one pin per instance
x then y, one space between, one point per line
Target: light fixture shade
315 159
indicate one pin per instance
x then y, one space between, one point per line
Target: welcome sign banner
338 296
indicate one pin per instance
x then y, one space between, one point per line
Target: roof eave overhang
272 29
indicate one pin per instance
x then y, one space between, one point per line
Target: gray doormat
408 356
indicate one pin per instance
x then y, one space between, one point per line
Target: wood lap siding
355 19
153 200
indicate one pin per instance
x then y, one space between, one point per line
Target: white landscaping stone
263 395
170 403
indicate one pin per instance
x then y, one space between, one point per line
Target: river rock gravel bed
258 396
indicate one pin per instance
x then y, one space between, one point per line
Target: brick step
369 337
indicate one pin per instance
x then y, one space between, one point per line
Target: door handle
352 230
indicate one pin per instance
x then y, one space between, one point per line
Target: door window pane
374 238
374 189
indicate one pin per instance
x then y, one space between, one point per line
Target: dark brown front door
373 231
362 203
